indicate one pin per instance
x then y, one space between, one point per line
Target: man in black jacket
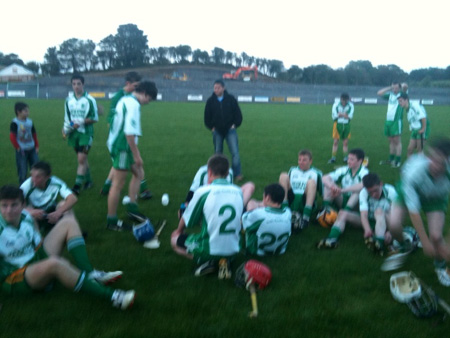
222 117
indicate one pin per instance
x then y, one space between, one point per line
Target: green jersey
114 100
394 111
77 110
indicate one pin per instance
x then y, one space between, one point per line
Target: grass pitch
339 293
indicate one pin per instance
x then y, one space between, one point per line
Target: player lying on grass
375 201
424 187
29 263
268 226
42 191
301 185
346 196
218 206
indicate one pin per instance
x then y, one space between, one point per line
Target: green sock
79 180
439 264
326 204
132 207
380 241
87 175
106 186
143 185
398 159
112 219
335 232
307 212
77 249
91 287
391 157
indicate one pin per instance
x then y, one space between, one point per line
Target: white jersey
79 109
338 108
417 185
201 178
17 245
344 177
416 113
219 207
299 178
126 122
370 204
46 199
392 106
267 230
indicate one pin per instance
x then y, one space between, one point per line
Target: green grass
340 293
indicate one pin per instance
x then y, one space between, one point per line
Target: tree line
128 48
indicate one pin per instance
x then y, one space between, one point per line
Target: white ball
165 199
126 200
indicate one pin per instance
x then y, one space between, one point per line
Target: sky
409 34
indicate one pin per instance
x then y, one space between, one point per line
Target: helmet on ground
327 217
144 231
253 272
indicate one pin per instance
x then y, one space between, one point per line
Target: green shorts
341 131
416 136
15 283
123 160
296 202
79 140
393 128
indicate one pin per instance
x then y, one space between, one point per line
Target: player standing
341 113
123 147
79 118
393 125
418 123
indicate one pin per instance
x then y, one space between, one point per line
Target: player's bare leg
119 177
247 191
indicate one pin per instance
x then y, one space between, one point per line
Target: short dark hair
370 180
345 97
276 192
305 152
219 165
43 166
11 192
358 152
77 77
148 88
219 82
403 96
19 106
132 77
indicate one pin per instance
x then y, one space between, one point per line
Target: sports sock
77 249
106 186
333 154
87 175
398 159
439 264
326 204
380 241
112 219
132 207
307 212
391 157
87 285
79 180
335 232
143 185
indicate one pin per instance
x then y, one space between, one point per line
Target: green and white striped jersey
344 177
418 186
17 245
394 110
267 230
415 113
370 204
338 108
218 206
46 199
79 109
126 121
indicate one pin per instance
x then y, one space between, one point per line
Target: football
327 217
